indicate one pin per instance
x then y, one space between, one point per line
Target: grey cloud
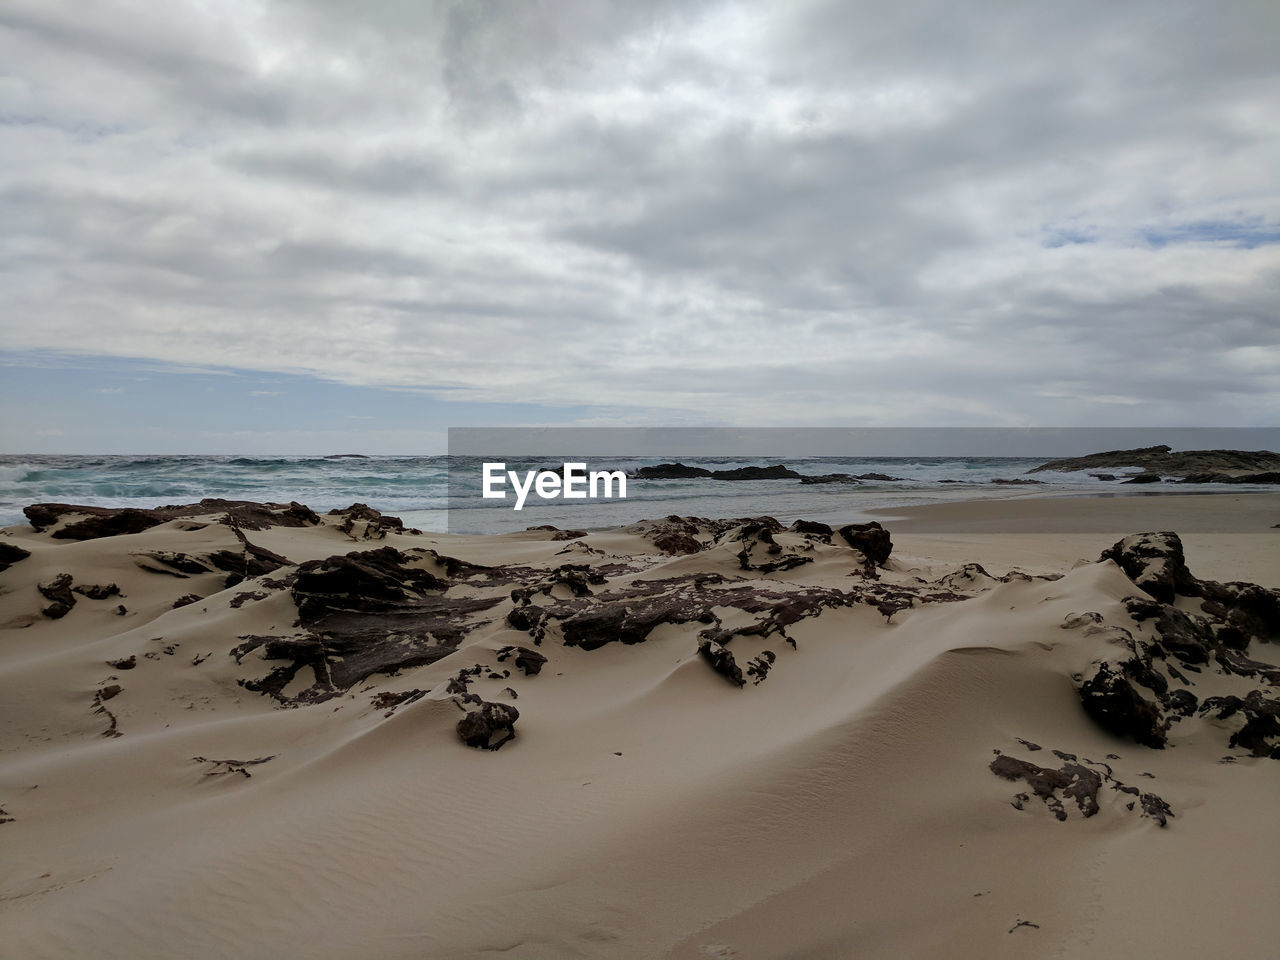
727 211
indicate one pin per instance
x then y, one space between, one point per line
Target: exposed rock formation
1145 695
1163 461
98 522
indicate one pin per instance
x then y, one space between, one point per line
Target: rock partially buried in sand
57 590
1156 563
479 727
721 661
99 522
1111 700
10 554
871 538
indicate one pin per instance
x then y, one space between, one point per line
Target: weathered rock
112 521
1162 460
813 528
1110 699
530 661
1077 782
830 478
721 661
96 591
367 612
11 554
1260 734
871 538
1145 478
1016 481
58 592
774 472
489 727
671 471
1156 563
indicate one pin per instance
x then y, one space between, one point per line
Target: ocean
417 489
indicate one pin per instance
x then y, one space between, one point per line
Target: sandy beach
242 733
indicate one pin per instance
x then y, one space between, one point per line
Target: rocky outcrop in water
1163 461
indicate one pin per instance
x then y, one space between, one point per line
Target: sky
301 226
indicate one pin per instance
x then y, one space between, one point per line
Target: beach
252 732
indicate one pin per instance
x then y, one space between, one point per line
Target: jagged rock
721 661
831 478
363 613
479 727
186 600
813 528
389 701
671 471
774 472
11 554
95 591
1156 563
128 663
1016 482
760 535
871 538
1162 460
1260 734
58 592
111 521
530 661
376 525
1076 781
1110 699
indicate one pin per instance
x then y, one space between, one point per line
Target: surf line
573 482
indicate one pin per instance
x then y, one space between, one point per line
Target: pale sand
842 808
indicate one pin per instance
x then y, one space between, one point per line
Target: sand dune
274 768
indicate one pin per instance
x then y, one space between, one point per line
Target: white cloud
822 212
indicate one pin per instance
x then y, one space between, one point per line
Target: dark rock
1103 476
1076 782
671 471
389 701
58 591
831 478
1001 480
530 661
108 692
759 666
677 544
367 612
1156 563
98 522
871 538
376 525
775 472
1260 734
346 456
1145 478
721 661
186 600
1268 477
95 591
479 728
128 663
812 528
11 554
1110 699
1155 808
1162 460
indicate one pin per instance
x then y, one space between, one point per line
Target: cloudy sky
308 225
